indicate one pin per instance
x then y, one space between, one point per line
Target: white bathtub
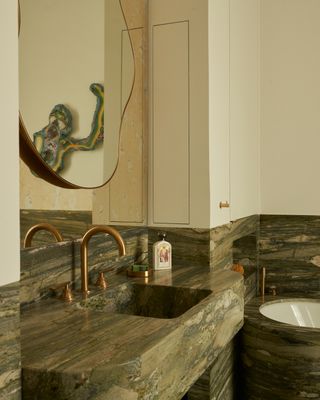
298 312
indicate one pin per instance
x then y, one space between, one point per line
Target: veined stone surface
220 377
72 353
290 251
71 224
10 382
279 361
217 249
47 266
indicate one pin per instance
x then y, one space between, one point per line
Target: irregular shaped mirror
76 75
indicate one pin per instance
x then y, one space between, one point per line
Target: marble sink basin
153 301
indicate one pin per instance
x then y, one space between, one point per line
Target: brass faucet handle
67 293
66 290
101 281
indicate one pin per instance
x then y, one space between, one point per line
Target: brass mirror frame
32 158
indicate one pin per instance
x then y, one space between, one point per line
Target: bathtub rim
289 300
253 316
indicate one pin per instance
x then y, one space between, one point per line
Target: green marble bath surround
279 361
10 383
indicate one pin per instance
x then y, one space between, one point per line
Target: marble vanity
98 350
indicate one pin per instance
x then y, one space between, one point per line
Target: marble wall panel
223 238
189 246
217 383
211 248
218 248
48 266
246 253
71 224
290 251
10 372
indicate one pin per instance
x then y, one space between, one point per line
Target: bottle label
163 256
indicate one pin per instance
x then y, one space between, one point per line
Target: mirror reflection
76 76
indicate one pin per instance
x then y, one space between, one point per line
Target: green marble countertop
72 353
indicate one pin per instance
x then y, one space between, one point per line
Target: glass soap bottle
162 253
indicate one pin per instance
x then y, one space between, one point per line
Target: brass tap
84 250
66 292
101 281
39 227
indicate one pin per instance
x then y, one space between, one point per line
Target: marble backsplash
10 371
48 266
71 224
290 251
218 248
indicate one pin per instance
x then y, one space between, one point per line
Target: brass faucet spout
84 250
39 227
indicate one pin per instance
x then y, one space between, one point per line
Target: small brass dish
139 274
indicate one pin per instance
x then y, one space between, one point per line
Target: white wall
9 160
290 107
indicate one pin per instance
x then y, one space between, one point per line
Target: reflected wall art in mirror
76 72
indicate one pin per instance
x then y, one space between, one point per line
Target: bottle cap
162 235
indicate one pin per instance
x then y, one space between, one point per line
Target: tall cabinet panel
170 129
178 114
244 107
124 200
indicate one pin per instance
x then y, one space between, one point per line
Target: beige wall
36 194
290 106
9 160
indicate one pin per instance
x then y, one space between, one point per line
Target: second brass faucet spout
84 250
39 227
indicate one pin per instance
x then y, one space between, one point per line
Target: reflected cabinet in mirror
76 76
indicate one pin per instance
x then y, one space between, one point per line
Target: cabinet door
219 111
244 107
178 113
